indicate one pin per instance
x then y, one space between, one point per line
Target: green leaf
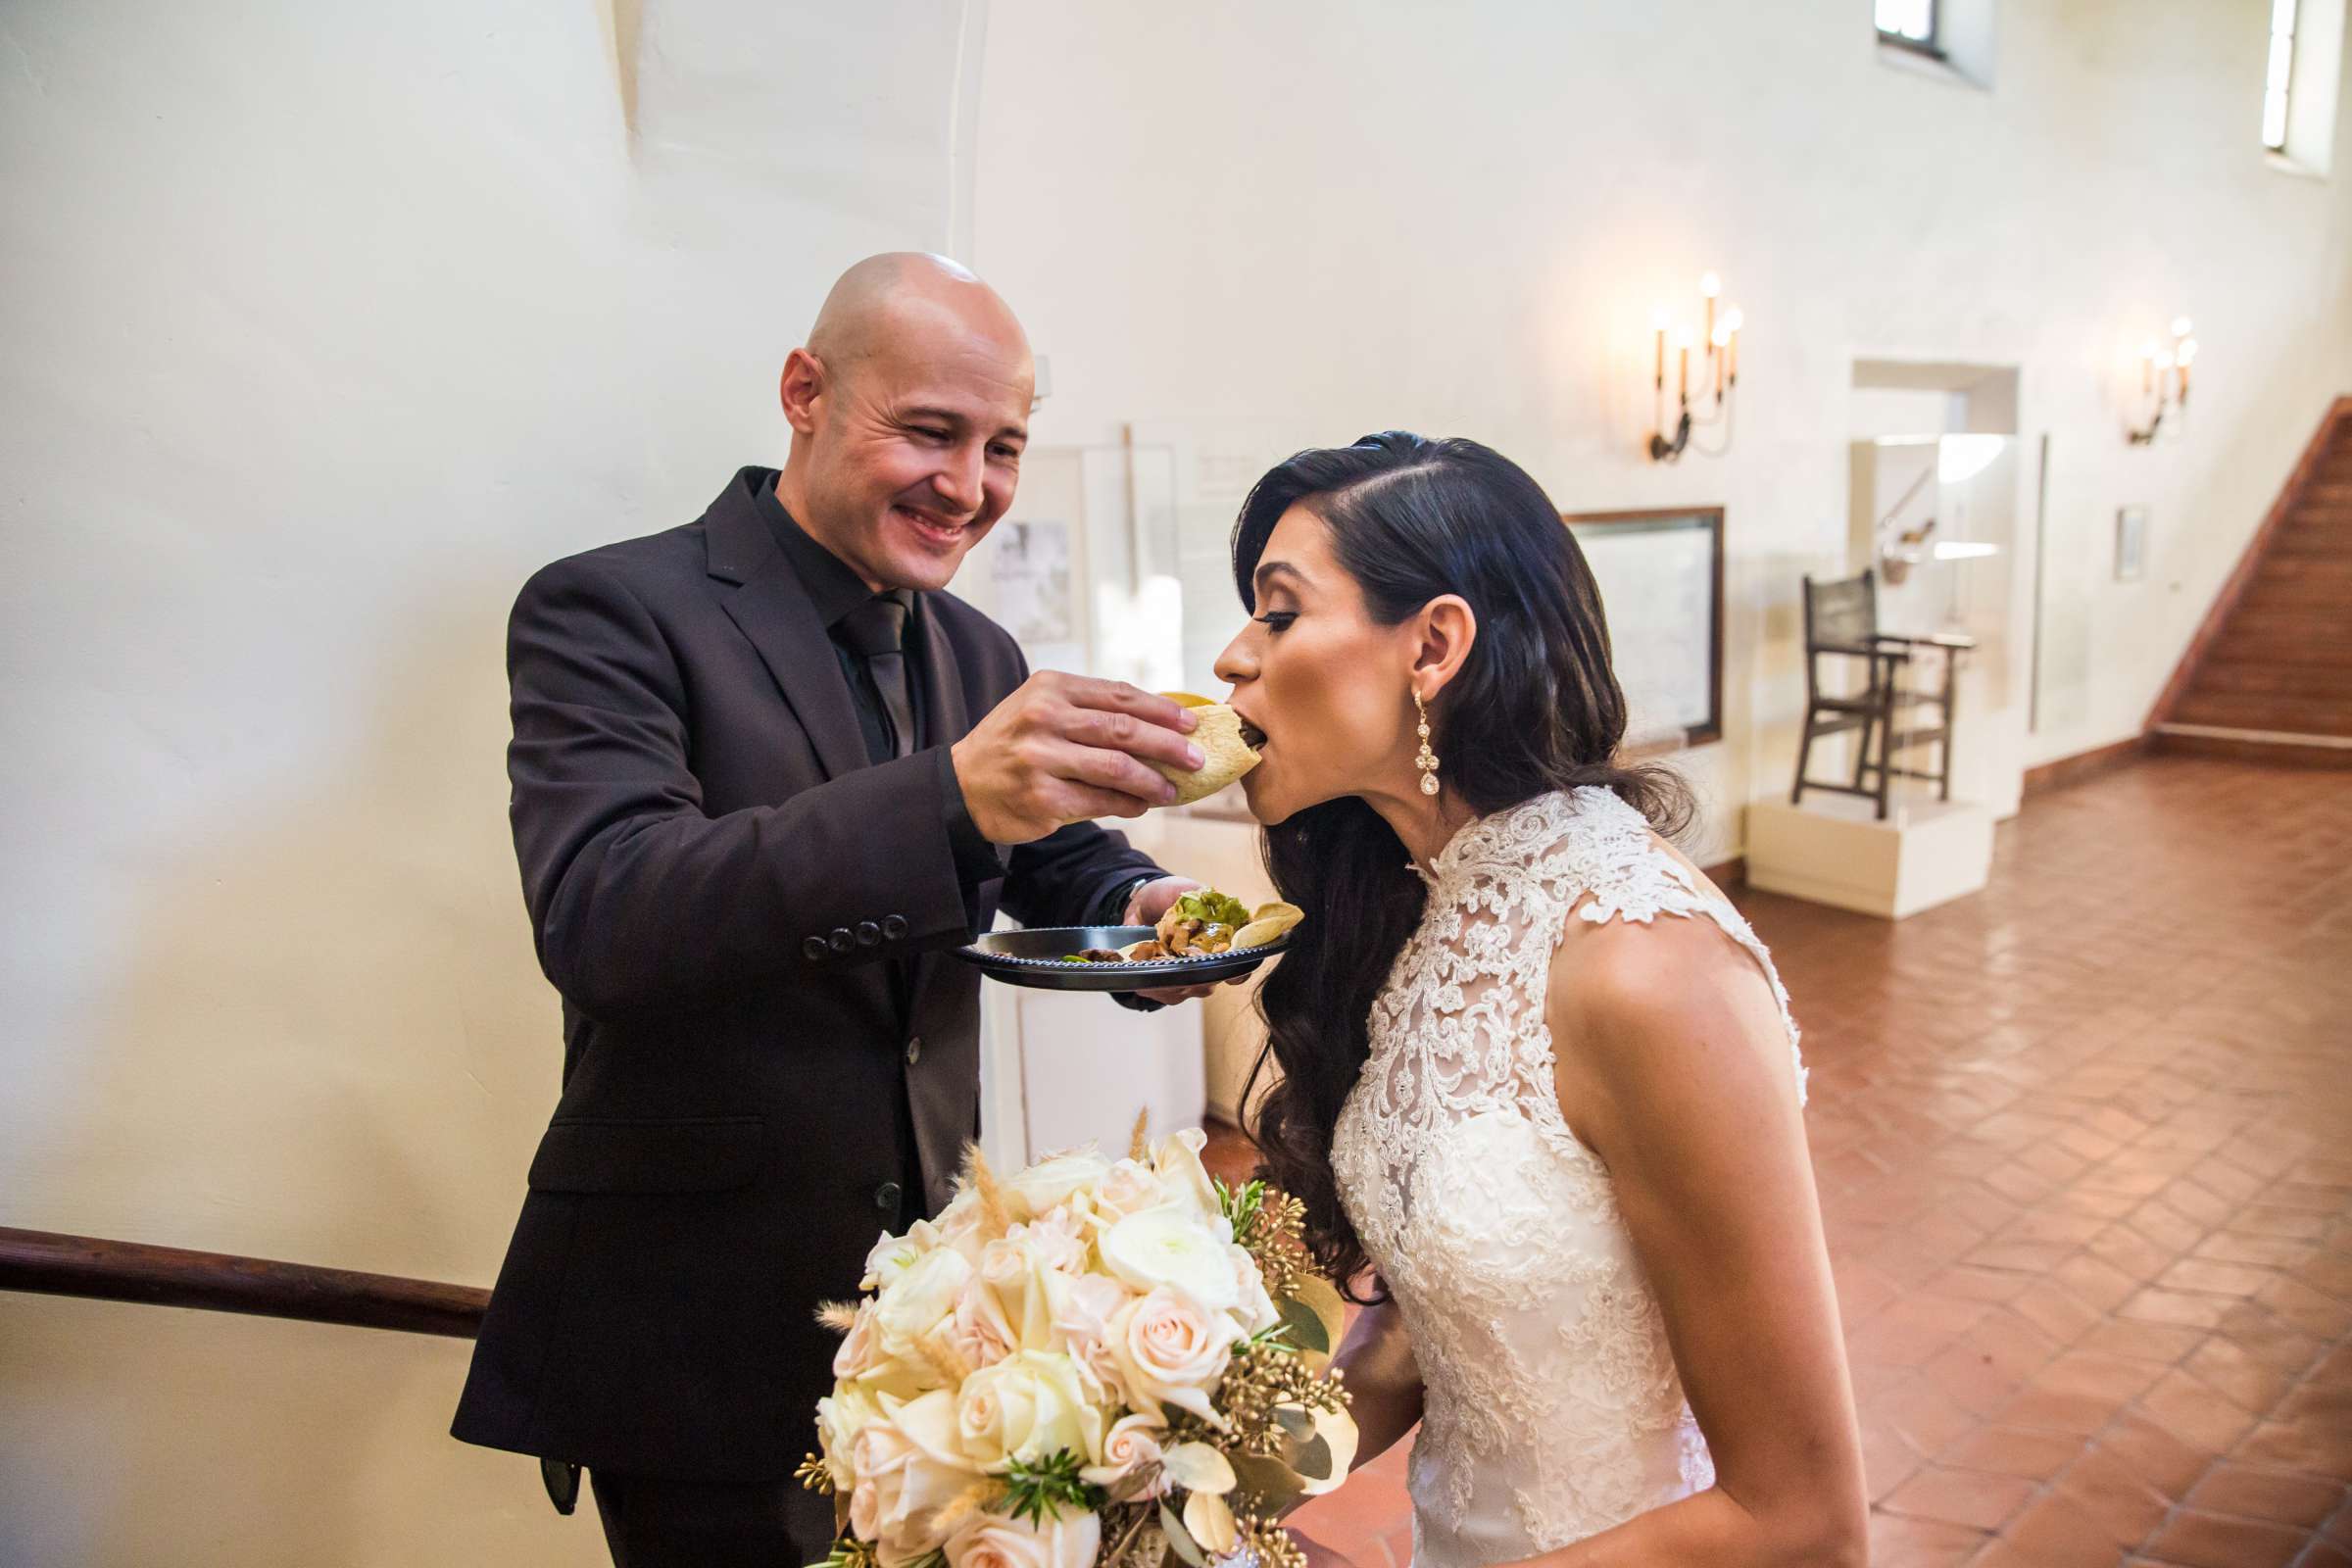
1180 1540
1305 1327
1296 1425
1311 1458
1270 1485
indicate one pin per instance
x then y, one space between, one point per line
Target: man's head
909 405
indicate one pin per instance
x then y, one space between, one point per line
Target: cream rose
906 1479
1257 1309
1177 1164
839 1418
1026 1407
992 1541
1129 1189
919 1302
979 1329
1084 1308
1171 1352
1132 1444
1052 1179
1168 1249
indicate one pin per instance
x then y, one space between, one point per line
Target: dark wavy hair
1534 707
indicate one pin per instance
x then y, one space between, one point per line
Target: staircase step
2330 682
2240 710
2278 648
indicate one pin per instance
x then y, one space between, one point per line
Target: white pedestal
1834 850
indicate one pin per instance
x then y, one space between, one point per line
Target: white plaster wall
327 324
1288 226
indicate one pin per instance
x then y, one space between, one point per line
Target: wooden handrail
220 1282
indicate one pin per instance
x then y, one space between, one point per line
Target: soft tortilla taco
1227 755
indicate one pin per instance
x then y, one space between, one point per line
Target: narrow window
2274 84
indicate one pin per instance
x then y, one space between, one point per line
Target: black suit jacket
713 870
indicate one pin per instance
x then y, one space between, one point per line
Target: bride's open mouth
1252 737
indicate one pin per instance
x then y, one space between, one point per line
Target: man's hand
1065 749
1150 903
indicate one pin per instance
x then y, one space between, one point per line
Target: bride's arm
1383 1384
1673 1067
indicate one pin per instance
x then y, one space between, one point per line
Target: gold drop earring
1427 762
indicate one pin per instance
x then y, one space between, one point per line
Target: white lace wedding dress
1552 1408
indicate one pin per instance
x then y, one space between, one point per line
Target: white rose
839 1418
1053 1179
1028 1407
1013 1269
893 1255
1171 1249
1177 1162
919 1300
904 1484
1131 1445
992 1541
1085 1307
1170 1353
1257 1311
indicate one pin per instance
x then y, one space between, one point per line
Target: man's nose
958 480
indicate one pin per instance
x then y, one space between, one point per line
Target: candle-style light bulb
1709 285
2181 326
1658 322
1682 350
2187 350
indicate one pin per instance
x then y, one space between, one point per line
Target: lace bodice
1552 1409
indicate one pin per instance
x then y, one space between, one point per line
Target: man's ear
1447 628
803 389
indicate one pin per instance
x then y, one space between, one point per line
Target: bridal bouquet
1121 1363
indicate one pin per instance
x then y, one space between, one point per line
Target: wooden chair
1842 620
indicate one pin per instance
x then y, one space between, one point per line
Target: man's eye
930 432
1005 454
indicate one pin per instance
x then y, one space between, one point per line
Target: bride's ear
1448 627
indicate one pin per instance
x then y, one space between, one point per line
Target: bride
1538 1084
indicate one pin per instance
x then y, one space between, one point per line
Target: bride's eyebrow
1263 577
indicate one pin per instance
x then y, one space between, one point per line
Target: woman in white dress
1538 1086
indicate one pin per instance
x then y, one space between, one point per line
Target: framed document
1661 588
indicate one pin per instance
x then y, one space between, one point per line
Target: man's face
916 452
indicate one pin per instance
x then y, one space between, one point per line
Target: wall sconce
1722 369
2163 382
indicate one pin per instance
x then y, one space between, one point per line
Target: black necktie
877 632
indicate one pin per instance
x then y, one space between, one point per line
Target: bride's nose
1237 664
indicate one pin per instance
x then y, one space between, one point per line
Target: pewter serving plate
1035 958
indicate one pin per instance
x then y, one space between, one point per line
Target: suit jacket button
886 1197
914 1051
814 949
842 941
895 927
868 933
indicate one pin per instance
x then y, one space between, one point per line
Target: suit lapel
774 610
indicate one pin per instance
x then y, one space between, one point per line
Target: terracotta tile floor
2085 1145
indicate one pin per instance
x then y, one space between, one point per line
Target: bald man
765 770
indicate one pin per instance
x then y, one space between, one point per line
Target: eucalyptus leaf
1296 1425
1305 1328
1311 1459
1180 1540
1315 1293
1270 1485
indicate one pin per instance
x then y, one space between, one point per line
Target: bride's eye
1274 621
